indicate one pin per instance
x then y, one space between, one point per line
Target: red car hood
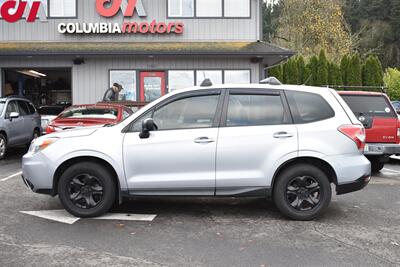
65 124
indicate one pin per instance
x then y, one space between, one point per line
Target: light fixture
37 73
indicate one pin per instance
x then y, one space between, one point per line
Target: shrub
392 82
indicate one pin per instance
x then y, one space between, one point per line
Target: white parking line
63 216
11 176
390 170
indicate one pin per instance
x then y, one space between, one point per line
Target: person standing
112 93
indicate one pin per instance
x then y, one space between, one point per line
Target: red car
88 115
381 122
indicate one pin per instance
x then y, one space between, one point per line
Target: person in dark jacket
112 93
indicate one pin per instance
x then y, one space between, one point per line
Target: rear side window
308 107
254 110
23 108
366 105
32 109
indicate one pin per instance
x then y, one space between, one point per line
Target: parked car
88 115
49 113
396 105
19 123
288 142
381 124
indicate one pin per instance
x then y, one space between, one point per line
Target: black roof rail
206 83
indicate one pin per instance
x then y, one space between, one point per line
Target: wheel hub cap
85 191
303 193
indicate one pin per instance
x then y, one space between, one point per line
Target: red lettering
179 27
170 26
34 11
144 27
110 11
153 25
130 9
7 6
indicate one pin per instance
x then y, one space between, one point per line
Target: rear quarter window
369 105
308 107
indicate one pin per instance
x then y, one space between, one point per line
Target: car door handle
204 140
283 135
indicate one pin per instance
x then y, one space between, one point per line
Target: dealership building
73 50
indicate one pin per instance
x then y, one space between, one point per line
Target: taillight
50 129
355 133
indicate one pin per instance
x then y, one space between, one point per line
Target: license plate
366 148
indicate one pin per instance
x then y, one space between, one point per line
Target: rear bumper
356 185
372 149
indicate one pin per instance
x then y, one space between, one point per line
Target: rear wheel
87 189
302 192
36 134
3 146
376 165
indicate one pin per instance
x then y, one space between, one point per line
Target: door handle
204 140
283 135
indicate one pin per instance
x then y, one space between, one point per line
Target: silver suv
288 142
19 123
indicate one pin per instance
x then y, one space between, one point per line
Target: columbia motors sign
30 11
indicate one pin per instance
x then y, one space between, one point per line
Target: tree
302 70
307 26
372 73
354 77
322 71
392 82
276 72
312 66
334 74
344 68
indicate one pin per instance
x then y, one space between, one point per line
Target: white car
258 140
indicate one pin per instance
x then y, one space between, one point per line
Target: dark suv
19 123
381 123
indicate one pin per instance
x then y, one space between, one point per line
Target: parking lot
359 229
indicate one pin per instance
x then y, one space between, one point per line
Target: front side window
180 8
214 75
187 113
237 76
308 107
255 110
237 8
62 8
11 107
209 8
180 79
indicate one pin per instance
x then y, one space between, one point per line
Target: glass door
152 85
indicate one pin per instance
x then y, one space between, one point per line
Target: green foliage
276 72
354 77
302 70
344 69
372 73
392 82
322 71
334 74
312 66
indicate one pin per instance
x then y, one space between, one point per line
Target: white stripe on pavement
11 176
390 170
63 216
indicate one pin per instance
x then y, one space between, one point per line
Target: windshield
90 113
369 105
53 111
2 104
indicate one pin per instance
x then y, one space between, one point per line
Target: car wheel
87 190
302 192
36 134
376 165
3 146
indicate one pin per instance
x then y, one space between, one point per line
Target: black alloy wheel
303 193
86 191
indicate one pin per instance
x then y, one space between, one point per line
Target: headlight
40 144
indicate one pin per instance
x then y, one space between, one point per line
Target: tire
376 165
36 134
82 180
293 192
3 146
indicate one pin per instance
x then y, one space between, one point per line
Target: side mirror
148 125
14 115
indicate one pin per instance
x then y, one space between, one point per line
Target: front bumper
380 149
353 186
37 173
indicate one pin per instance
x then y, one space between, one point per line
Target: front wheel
3 146
87 190
302 192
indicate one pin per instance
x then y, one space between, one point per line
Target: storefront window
237 8
62 8
180 79
180 8
237 76
209 8
126 78
214 75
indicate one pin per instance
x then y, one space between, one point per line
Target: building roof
270 54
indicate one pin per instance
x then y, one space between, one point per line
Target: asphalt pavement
359 229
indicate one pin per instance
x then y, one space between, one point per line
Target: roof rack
206 83
271 81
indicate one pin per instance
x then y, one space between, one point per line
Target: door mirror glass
14 115
148 125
